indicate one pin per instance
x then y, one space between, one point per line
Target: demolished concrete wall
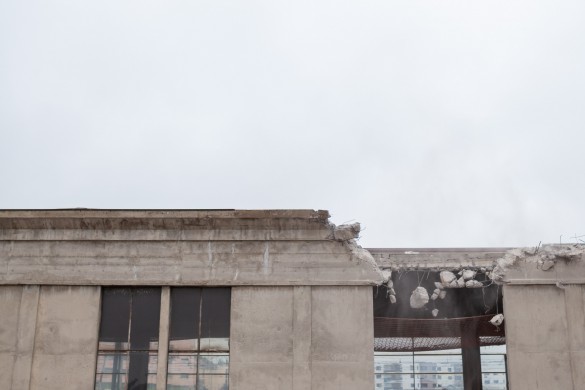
225 247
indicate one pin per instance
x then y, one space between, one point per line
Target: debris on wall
447 277
347 235
545 258
346 232
473 284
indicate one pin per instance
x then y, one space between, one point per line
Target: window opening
128 339
447 342
199 339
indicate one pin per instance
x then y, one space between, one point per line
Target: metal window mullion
163 338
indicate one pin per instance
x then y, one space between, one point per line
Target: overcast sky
433 123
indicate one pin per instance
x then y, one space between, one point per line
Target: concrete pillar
261 339
302 338
66 337
18 306
575 309
163 338
342 335
537 338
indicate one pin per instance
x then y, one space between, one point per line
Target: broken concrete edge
361 255
348 234
542 258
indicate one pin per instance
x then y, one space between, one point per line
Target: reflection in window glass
128 339
199 339
438 369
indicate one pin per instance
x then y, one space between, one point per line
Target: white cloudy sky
433 123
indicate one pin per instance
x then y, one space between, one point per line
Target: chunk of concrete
447 277
346 232
473 284
419 298
497 319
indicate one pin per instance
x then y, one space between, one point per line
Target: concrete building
275 299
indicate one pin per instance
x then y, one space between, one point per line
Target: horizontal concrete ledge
435 258
164 213
218 283
565 282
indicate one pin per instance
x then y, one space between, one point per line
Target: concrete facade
301 306
289 272
545 317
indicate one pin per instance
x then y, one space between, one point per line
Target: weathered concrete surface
301 338
261 339
163 334
545 336
342 334
436 258
65 344
551 264
227 248
18 306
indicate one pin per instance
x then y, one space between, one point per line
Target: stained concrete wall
223 248
66 338
293 338
18 314
545 336
48 337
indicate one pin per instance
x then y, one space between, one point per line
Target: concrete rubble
419 298
545 259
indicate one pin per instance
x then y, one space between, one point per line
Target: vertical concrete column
163 338
261 338
537 338
18 309
575 309
342 349
27 320
66 337
302 338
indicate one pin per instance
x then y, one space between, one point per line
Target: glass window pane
151 382
116 363
214 364
182 364
393 363
441 381
110 382
493 349
212 382
394 381
184 328
145 318
493 363
494 381
139 369
115 318
438 363
181 382
215 344
215 319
